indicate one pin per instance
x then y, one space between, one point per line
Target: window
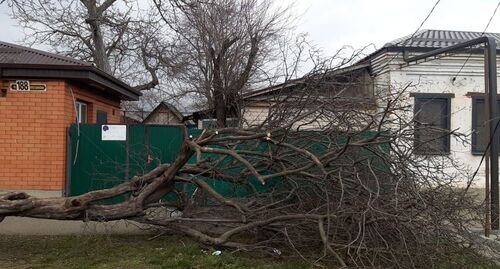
479 129
102 117
81 112
432 124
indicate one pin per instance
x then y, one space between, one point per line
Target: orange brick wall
33 133
94 102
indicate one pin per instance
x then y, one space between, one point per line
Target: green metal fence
96 163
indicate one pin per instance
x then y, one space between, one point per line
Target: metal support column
493 105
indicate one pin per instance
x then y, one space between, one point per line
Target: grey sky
334 23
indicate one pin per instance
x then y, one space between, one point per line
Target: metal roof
15 54
20 61
301 81
438 39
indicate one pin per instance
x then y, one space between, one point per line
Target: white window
81 112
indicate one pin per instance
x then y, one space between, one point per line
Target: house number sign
26 86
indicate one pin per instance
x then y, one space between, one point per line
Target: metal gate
96 161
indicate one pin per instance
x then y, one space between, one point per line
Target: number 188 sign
26 86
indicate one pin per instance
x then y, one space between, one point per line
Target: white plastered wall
437 76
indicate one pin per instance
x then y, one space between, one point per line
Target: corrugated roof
299 81
19 61
438 39
15 54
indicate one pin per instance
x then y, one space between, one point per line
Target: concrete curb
32 226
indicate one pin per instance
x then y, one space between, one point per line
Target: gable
164 113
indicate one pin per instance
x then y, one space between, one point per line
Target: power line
484 31
426 18
496 126
484 155
491 18
416 31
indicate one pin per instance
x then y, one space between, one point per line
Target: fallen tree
327 177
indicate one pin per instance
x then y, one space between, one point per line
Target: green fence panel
95 164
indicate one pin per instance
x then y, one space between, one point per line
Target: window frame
474 135
418 97
79 105
97 117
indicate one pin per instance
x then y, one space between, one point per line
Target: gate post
69 151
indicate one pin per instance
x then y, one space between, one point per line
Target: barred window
432 124
480 131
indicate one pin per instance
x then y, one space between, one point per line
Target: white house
448 91
341 88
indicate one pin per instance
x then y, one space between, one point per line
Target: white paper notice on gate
114 132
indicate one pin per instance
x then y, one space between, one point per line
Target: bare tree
222 47
329 177
112 34
210 52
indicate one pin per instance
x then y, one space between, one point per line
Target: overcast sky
334 23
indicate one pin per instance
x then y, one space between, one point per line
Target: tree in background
223 47
205 52
111 34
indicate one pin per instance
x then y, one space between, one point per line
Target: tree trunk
220 109
99 51
220 104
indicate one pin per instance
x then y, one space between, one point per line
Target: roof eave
299 81
386 49
71 72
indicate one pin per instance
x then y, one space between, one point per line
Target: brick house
41 95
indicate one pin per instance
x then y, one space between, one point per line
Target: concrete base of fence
32 226
38 193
